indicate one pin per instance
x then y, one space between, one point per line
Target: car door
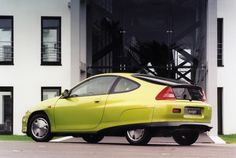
126 104
84 108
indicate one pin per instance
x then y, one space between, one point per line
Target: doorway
6 110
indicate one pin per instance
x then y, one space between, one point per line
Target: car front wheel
186 138
138 136
39 128
93 138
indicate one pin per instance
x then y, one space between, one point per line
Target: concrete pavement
115 147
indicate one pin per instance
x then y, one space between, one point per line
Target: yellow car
137 106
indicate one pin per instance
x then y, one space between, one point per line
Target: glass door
162 37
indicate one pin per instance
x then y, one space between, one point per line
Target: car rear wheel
185 138
93 138
138 136
39 128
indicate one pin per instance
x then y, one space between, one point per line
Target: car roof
162 80
150 78
116 74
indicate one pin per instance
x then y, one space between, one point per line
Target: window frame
12 40
11 90
116 78
50 87
51 63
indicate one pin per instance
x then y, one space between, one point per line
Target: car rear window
188 93
125 85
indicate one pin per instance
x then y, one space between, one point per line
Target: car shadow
122 144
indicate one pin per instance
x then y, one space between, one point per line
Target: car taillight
166 94
203 95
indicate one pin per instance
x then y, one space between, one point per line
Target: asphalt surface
115 147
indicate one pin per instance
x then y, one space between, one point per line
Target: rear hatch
191 93
182 104
178 101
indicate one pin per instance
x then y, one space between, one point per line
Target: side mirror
66 93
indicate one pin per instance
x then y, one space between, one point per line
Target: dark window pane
51 41
220 42
6 40
220 109
51 23
164 37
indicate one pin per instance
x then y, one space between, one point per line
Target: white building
225 72
26 28
49 45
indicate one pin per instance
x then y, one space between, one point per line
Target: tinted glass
96 86
188 93
163 37
125 85
51 23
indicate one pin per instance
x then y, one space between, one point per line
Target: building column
75 41
212 61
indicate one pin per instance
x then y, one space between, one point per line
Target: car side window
95 86
125 85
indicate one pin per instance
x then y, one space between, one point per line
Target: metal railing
51 52
6 51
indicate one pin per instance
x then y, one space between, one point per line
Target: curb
217 139
61 139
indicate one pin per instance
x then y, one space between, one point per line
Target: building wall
226 75
211 61
27 76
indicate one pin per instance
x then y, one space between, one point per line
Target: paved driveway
115 147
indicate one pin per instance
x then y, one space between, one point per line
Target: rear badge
193 111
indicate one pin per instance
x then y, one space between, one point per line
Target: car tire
39 128
138 136
186 138
93 138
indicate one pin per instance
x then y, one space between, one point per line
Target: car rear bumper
206 126
160 128
169 128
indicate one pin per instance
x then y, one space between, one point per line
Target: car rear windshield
188 93
159 80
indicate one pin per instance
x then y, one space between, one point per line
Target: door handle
97 101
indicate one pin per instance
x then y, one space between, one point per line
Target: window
220 109
51 41
125 85
6 110
220 42
6 40
50 92
95 86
